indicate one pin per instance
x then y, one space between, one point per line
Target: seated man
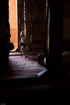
25 44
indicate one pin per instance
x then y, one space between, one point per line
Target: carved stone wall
36 21
20 19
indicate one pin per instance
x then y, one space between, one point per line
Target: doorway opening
13 23
31 19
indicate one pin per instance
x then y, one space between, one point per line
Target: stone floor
21 67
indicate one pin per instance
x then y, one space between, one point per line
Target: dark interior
53 85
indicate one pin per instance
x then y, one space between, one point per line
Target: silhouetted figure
25 45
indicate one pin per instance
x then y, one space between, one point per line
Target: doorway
13 23
21 67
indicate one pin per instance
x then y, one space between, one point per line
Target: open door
13 23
